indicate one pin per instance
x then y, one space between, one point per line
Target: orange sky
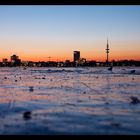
40 50
37 32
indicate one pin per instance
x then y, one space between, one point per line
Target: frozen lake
69 101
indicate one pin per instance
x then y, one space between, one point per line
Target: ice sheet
69 100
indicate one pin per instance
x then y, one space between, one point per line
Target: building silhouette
4 61
76 56
15 60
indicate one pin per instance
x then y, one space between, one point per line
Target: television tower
107 53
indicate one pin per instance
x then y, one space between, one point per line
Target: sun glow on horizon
61 51
36 33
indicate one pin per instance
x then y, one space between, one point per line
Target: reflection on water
69 101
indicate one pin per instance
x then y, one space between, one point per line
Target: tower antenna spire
107 53
107 40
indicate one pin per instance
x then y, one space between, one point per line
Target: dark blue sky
64 22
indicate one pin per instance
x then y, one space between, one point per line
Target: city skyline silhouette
38 32
69 70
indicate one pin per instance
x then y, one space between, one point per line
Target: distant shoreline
64 66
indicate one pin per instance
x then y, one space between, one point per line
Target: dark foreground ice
69 101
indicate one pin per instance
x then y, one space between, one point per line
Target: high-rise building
76 56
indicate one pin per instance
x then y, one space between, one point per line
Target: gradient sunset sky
37 32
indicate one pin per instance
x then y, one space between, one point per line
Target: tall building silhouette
107 53
76 56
